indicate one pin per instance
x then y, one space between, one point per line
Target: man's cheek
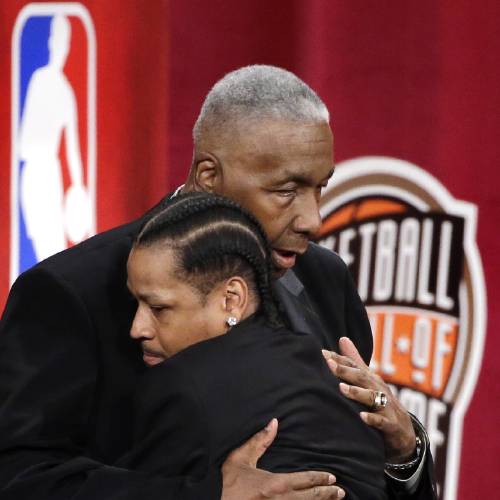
272 233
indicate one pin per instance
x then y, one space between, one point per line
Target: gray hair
259 91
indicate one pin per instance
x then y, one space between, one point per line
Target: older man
68 368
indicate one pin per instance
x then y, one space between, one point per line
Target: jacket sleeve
48 372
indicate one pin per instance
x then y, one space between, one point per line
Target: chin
278 272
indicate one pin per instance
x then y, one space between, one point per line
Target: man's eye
157 309
286 192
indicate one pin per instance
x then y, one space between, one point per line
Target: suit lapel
290 291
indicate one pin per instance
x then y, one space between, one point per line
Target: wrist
408 462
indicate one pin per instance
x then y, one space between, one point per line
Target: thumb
250 452
347 348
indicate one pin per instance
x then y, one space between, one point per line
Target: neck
188 186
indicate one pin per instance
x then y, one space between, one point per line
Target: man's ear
207 173
236 297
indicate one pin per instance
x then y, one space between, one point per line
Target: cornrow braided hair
213 239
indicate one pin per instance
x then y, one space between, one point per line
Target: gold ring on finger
379 401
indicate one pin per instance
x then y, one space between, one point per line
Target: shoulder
100 247
159 389
250 352
322 254
87 265
169 380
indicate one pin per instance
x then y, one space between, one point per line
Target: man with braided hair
68 368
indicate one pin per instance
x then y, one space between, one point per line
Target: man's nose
308 219
141 325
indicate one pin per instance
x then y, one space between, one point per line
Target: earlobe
232 321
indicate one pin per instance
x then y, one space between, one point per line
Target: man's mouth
152 358
283 259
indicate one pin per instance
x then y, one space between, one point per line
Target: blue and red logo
53 131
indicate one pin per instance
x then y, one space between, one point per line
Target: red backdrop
418 81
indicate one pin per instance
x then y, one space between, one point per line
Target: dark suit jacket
68 370
227 388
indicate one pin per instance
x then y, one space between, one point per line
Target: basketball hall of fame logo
411 249
53 131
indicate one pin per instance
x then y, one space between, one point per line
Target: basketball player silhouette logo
50 110
55 181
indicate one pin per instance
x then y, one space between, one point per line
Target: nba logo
53 168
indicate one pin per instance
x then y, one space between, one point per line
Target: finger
360 376
327 354
334 366
343 360
355 376
250 452
375 420
363 396
292 481
316 493
347 348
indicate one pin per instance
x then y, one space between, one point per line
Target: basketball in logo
53 131
411 249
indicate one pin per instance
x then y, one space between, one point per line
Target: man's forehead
302 174
271 133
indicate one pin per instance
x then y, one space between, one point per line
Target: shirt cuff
409 485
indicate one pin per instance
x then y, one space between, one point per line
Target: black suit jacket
68 369
227 388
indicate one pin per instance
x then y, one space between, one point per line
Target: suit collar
292 283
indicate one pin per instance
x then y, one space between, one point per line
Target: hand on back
241 480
